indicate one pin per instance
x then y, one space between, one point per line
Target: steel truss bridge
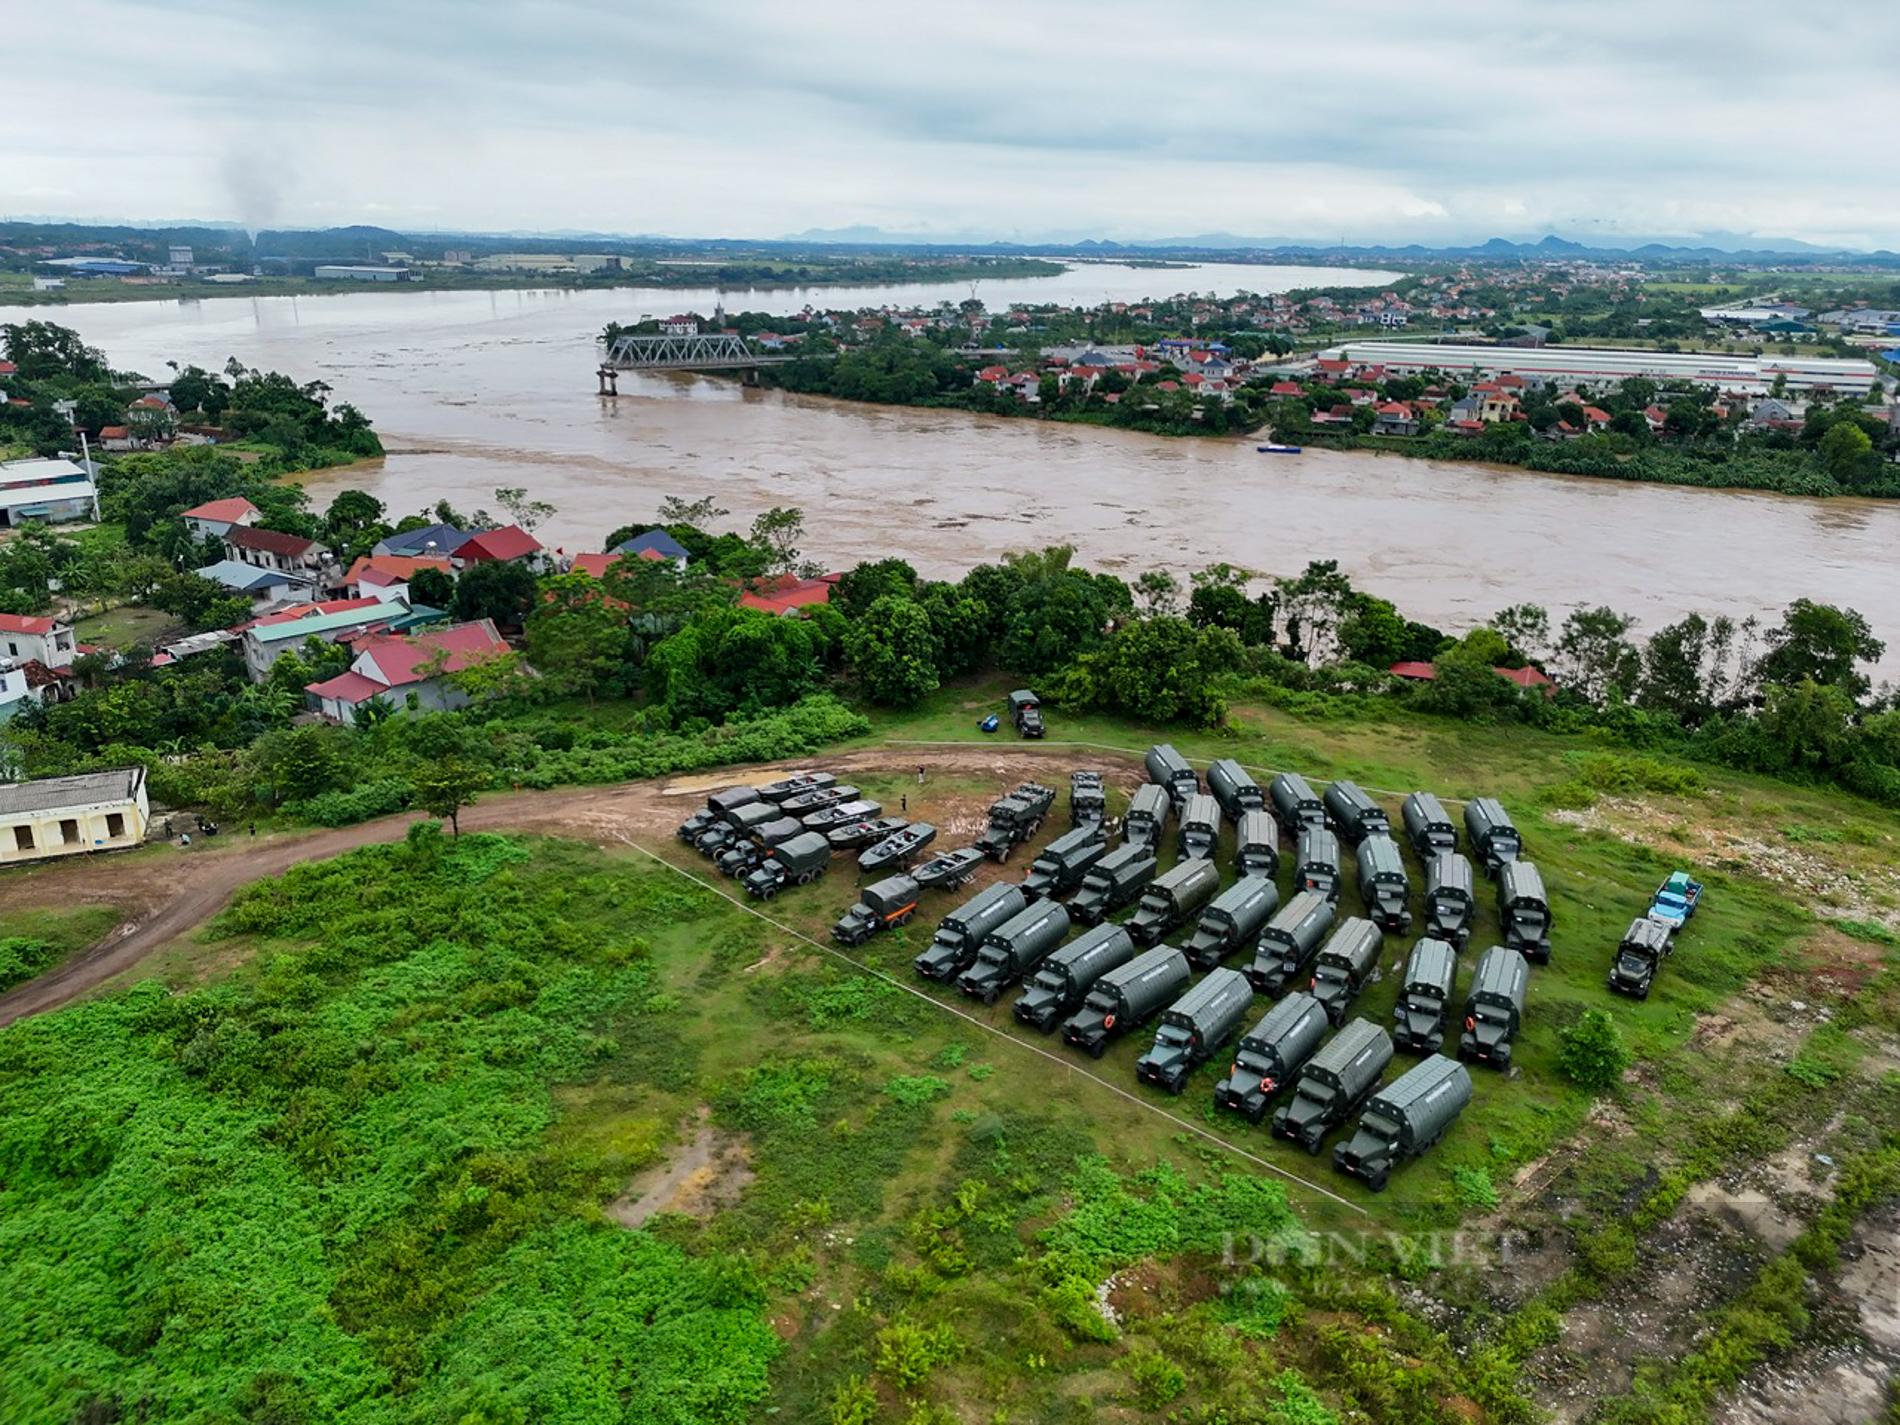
709 352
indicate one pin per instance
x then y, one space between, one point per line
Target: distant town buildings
1601 367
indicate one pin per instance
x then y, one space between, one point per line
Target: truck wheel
768 893
1255 1115
1377 1184
1643 993
1312 1148
1174 1087
1097 1050
1034 827
989 996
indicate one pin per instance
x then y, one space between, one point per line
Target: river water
473 390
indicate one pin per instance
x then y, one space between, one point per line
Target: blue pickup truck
1675 900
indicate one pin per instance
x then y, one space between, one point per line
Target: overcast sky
1384 120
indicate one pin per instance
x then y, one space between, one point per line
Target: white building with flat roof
1603 366
44 490
61 816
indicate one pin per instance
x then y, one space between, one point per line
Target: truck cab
1025 710
1639 956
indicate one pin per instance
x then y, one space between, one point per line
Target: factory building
341 273
1600 367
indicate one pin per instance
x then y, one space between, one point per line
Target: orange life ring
1471 1021
1108 1021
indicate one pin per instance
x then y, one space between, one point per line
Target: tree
777 533
891 648
1594 1055
577 635
495 589
1820 643
432 588
1847 452
1373 633
1159 593
1157 669
1314 605
869 582
1593 655
444 786
1526 627
960 627
527 513
352 517
700 512
42 350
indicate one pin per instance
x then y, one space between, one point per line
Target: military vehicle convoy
1491 833
880 906
1025 711
1646 944
1172 898
1524 910
1354 815
1270 1054
1148 812
952 949
1343 964
797 784
717 805
1289 942
1295 804
1450 898
1065 978
1115 881
734 826
1494 1008
1013 949
1428 826
1257 845
797 862
1200 828
1063 863
1419 1018
898 849
1383 884
1126 998
1088 799
1404 1119
1195 1028
1235 789
1316 864
948 869
1232 922
1014 819
1168 768
743 854
1334 1083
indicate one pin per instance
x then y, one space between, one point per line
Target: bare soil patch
710 1172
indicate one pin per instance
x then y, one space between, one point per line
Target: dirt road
167 896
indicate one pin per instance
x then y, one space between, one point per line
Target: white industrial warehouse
1600 367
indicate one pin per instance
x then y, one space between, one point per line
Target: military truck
1025 711
1494 1006
1070 972
829 819
1295 804
1088 799
1335 1081
1116 880
805 803
1343 964
1172 899
1013 949
1450 904
1316 864
734 827
1524 910
717 805
1127 997
1235 789
1419 1017
1200 828
882 905
1270 1054
1383 884
949 870
797 862
744 854
854 834
1064 862
1404 1119
952 949
1289 942
898 849
1257 845
1195 1028
799 782
1232 923
1428 826
1493 836
1168 768
1644 946
1014 819
1148 812
1355 815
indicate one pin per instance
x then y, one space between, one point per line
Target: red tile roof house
507 545
387 576
407 671
216 517
44 640
787 594
291 554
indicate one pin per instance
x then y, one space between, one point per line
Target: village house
510 544
408 671
217 518
430 541
784 594
656 543
386 576
14 690
62 816
1395 418
45 490
45 641
269 638
305 560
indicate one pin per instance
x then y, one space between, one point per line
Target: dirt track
166 896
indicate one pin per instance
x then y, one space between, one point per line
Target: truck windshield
1172 1037
1378 1125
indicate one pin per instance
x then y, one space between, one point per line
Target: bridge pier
609 381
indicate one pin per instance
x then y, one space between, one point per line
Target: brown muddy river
475 390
